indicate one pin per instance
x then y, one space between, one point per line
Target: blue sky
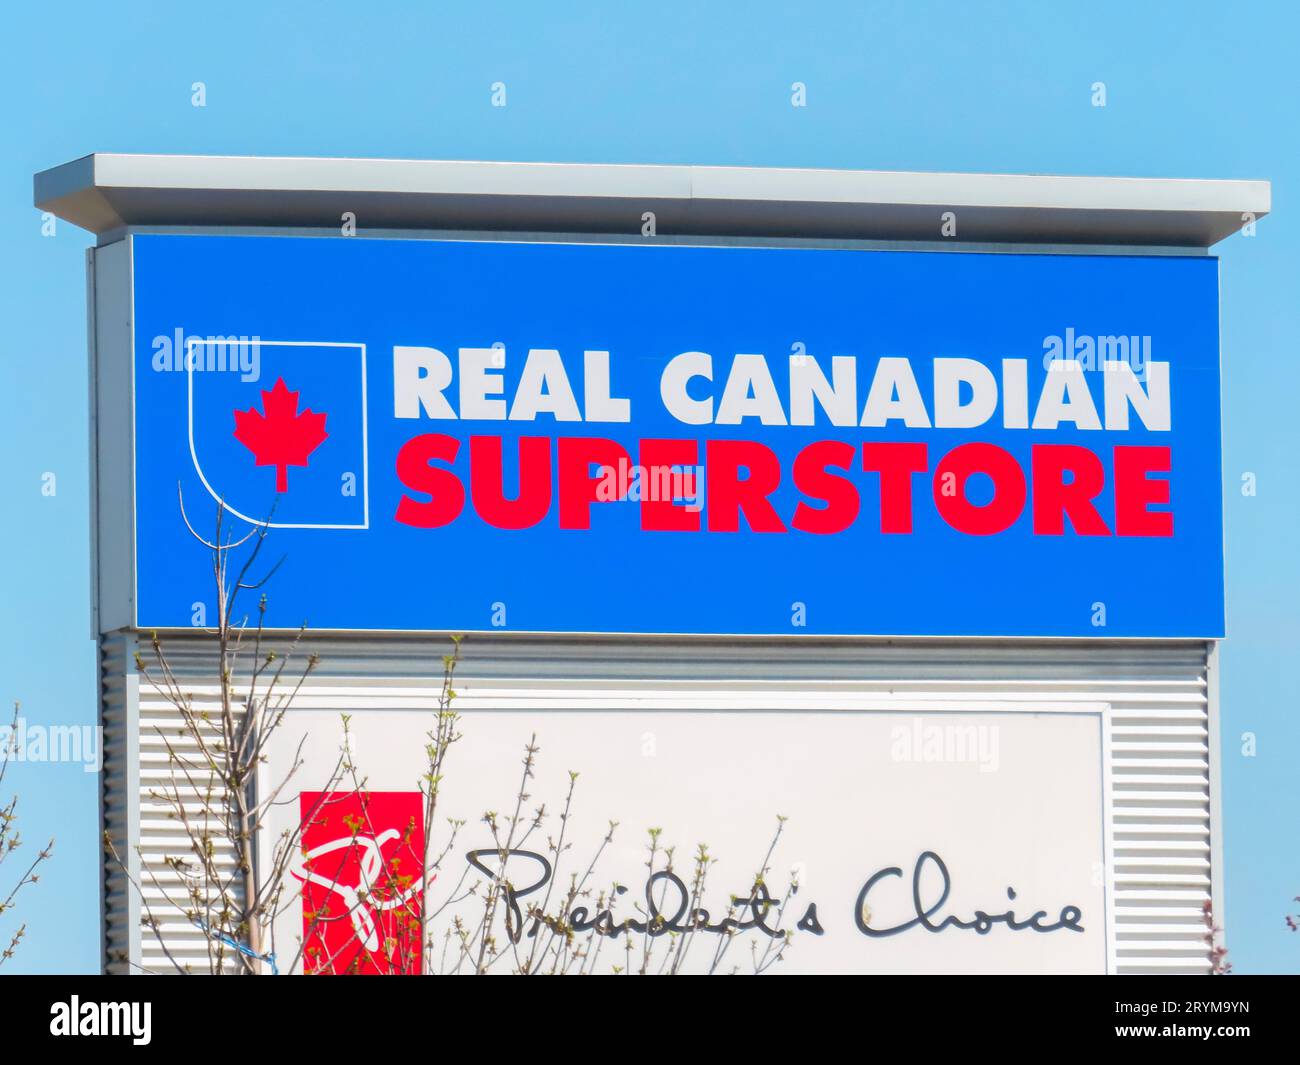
1191 92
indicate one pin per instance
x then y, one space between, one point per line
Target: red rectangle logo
359 864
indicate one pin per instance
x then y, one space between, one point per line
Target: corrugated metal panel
1158 693
119 806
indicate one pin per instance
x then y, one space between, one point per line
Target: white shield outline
365 432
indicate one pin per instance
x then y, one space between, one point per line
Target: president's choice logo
287 450
120 1019
359 864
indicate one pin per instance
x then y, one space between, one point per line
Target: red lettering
812 478
743 477
728 495
447 494
1008 489
487 481
1134 491
895 463
578 489
659 514
1054 500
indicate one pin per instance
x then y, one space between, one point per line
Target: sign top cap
106 192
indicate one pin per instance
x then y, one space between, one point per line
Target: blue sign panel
472 436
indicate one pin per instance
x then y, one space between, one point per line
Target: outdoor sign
921 837
357 873
565 438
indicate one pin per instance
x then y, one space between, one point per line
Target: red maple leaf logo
281 437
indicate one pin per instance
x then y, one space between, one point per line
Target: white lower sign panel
923 838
